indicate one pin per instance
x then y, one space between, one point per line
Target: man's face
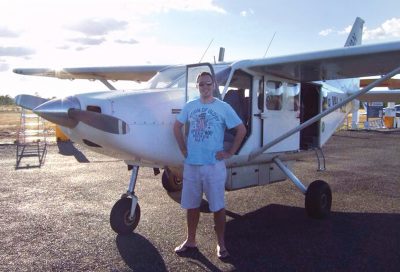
205 84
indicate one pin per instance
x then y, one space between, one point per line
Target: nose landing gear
125 214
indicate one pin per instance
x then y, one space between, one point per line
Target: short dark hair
204 74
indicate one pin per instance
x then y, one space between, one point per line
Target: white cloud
182 5
248 12
7 32
15 51
126 41
3 66
345 31
42 23
325 32
389 29
97 26
88 40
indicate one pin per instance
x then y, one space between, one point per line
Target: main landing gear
125 214
318 199
170 181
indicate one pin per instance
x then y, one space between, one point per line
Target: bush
6 100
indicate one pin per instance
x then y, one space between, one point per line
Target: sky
84 33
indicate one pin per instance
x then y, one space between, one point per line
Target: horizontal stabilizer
29 102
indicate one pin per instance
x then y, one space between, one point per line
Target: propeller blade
100 121
29 102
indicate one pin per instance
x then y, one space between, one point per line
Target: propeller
100 121
29 102
67 112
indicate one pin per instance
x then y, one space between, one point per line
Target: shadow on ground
139 254
68 149
282 238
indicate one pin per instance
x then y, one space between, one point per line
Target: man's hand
223 155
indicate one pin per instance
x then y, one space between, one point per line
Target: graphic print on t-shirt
203 121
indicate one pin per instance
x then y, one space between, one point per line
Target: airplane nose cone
56 111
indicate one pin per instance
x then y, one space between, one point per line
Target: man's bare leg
219 220
193 216
192 220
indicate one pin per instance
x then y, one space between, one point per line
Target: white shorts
209 179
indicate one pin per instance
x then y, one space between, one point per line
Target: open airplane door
281 114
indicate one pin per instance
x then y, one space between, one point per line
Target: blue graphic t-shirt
206 129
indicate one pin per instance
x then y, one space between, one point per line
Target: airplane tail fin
355 36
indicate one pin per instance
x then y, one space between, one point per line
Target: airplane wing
380 96
134 73
346 62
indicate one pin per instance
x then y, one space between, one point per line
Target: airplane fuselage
273 107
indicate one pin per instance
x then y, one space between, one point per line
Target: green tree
6 100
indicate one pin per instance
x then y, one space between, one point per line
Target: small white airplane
290 105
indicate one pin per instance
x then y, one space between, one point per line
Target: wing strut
309 122
108 84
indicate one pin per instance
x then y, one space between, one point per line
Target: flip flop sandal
222 254
184 248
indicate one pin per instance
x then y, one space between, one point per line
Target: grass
9 116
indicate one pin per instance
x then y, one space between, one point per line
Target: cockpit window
174 77
168 77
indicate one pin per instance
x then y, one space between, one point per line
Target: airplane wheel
318 199
119 217
170 182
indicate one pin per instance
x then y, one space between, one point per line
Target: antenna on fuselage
266 51
206 50
221 54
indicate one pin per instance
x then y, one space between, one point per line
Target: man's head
205 83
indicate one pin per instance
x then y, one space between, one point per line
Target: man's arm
179 137
237 141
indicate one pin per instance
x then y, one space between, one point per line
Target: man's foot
185 248
222 252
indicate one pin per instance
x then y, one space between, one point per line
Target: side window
238 95
260 95
292 97
274 95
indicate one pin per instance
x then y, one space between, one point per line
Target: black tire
170 182
119 217
318 200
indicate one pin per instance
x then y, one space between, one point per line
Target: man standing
204 167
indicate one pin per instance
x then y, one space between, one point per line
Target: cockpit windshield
175 77
168 78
